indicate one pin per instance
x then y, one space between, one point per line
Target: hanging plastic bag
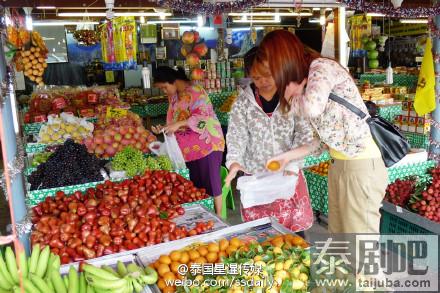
295 213
174 152
265 188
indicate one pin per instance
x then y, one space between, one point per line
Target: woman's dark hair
372 108
168 74
249 59
288 58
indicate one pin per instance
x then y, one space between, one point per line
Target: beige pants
356 189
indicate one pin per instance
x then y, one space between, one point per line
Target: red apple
192 59
197 74
188 37
201 49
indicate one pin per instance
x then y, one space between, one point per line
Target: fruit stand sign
115 113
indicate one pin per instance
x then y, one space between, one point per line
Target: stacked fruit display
70 164
66 126
39 273
115 216
31 59
79 102
321 169
400 191
131 161
427 202
193 49
372 54
283 260
113 135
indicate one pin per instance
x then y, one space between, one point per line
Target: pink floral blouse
337 127
204 133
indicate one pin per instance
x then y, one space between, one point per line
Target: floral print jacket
253 137
204 133
337 127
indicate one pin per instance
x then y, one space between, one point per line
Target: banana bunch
126 279
36 271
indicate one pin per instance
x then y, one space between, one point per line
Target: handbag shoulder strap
348 105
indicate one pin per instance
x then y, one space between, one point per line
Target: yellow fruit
221 255
277 250
278 242
174 266
303 277
231 249
235 242
163 269
295 273
213 247
200 260
223 244
165 259
287 264
194 254
184 257
161 284
258 258
274 166
260 263
211 257
169 289
279 266
199 278
175 255
203 250
169 276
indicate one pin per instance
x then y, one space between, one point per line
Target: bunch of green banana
35 271
126 279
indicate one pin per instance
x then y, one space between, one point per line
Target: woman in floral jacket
192 119
258 130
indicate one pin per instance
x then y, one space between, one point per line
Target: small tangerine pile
213 252
321 169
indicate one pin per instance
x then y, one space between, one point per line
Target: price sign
115 113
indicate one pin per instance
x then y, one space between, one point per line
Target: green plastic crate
311 160
418 169
390 112
417 140
401 221
139 110
223 118
155 110
318 191
207 202
398 79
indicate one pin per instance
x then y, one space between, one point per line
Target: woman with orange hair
357 176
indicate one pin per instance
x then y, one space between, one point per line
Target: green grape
129 160
152 164
165 163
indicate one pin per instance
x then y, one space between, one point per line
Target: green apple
372 55
373 64
371 45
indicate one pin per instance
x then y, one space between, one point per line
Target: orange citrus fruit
165 259
213 247
163 269
203 250
223 244
184 257
161 284
175 255
274 166
211 257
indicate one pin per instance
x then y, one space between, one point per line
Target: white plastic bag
265 188
174 152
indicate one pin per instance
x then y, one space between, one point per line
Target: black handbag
390 141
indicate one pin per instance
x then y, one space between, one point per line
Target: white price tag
399 209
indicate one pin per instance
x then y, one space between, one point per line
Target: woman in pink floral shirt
192 119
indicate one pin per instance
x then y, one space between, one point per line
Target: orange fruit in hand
274 166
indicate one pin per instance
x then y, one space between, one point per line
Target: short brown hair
289 60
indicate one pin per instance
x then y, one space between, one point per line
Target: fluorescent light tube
98 14
413 21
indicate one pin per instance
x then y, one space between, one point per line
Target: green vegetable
131 161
